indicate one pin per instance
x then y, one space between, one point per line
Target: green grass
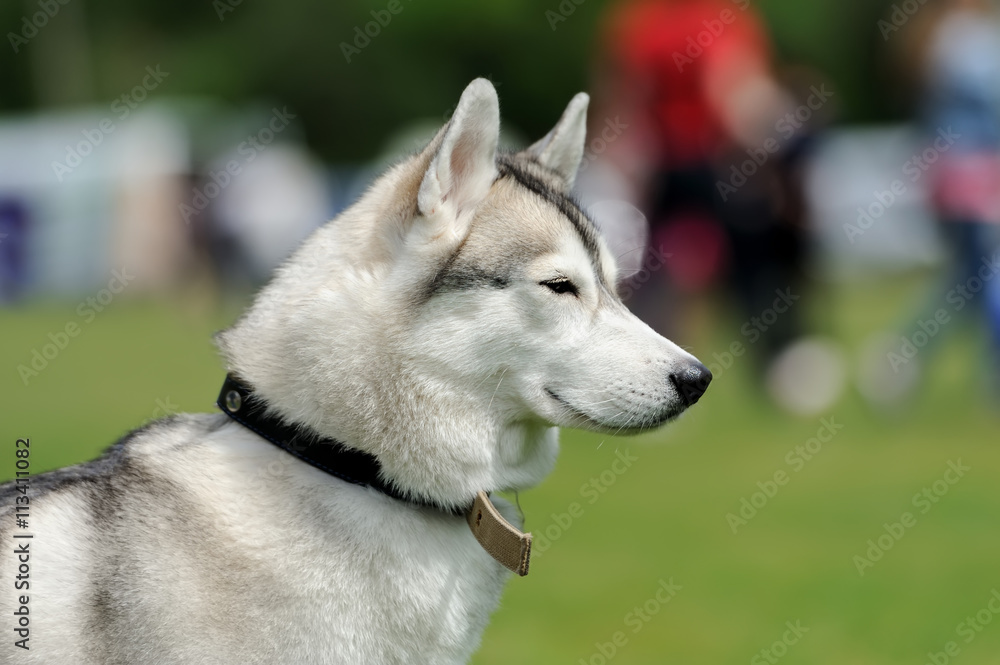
664 517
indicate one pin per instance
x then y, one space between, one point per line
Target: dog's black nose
691 382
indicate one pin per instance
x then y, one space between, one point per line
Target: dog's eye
561 285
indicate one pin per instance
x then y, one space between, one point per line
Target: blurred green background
665 517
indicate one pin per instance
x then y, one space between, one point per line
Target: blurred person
710 158
958 48
659 77
963 93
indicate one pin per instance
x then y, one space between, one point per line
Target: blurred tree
415 66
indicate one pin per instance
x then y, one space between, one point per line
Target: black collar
238 401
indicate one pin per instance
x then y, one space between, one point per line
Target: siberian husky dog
440 330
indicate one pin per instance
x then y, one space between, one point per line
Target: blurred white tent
96 199
102 191
854 169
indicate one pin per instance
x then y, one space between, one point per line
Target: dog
414 355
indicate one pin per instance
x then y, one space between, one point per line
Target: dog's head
459 311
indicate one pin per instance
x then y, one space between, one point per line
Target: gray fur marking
584 227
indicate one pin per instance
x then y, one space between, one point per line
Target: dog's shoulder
166 433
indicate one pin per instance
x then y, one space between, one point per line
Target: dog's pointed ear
463 167
562 149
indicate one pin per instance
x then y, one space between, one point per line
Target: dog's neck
441 445
324 356
239 401
443 456
503 541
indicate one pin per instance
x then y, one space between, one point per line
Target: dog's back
191 542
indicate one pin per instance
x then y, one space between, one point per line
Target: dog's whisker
497 388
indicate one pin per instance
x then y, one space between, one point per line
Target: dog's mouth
630 423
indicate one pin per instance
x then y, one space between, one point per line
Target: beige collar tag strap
501 539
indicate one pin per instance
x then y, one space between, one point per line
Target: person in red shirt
695 80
